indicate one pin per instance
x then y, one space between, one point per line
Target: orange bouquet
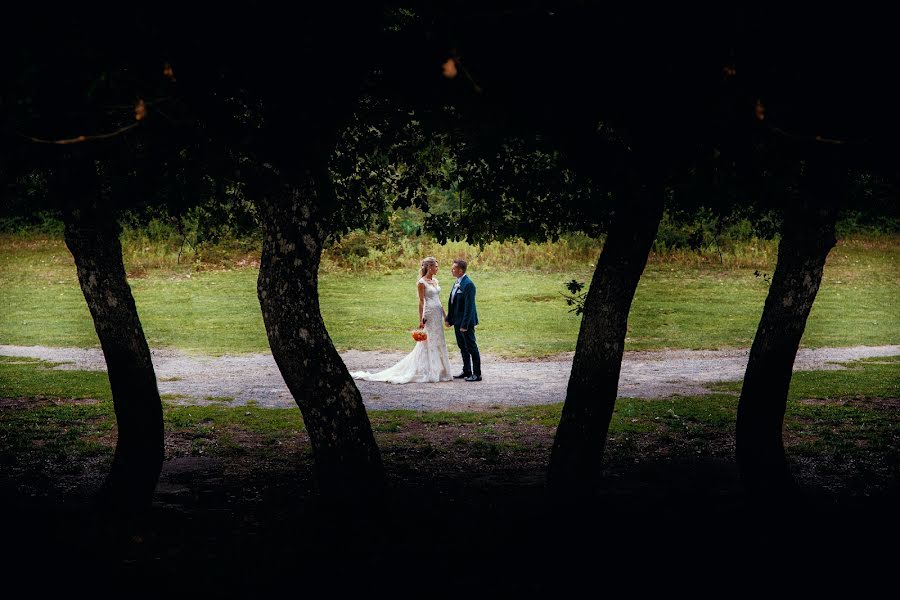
419 335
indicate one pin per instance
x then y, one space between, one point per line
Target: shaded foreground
465 510
444 535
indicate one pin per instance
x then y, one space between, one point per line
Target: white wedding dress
428 362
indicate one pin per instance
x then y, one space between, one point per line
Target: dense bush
44 222
858 222
360 250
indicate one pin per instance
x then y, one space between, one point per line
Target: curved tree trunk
575 461
92 236
347 459
807 238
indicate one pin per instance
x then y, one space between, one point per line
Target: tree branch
82 138
816 138
146 102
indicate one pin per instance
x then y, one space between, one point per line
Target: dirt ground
189 379
453 522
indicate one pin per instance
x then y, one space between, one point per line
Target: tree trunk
575 461
348 462
92 236
808 235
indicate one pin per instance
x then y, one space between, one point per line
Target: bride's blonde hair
427 262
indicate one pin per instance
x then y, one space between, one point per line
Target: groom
463 316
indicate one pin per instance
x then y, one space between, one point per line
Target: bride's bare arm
421 287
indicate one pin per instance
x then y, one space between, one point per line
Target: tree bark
575 461
92 236
807 237
348 463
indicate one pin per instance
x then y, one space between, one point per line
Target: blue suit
463 314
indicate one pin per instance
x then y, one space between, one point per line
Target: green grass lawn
522 312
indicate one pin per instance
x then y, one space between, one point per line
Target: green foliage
396 242
868 223
384 161
39 222
388 158
200 233
576 297
708 232
872 208
393 249
517 188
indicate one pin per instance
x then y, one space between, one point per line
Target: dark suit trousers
469 349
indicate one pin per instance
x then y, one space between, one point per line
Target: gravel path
235 380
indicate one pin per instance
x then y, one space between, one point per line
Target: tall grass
754 253
701 241
364 251
143 254
361 252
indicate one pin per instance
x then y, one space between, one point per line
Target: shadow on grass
466 509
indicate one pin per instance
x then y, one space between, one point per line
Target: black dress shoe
462 376
474 378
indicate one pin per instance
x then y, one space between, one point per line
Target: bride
428 362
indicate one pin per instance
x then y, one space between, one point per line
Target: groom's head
459 268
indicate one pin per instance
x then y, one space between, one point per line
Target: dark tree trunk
92 236
348 462
808 236
575 461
